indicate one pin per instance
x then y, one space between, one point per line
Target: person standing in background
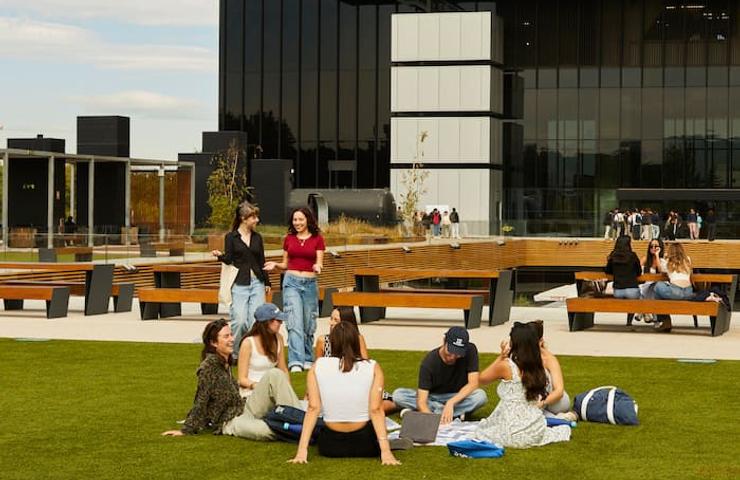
455 223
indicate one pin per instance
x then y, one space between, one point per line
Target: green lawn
96 409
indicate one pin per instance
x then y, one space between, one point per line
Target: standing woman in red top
303 259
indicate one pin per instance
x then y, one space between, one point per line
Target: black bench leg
168 280
59 303
696 321
630 317
13 304
149 310
209 308
371 314
580 321
125 299
473 316
721 323
499 304
327 305
369 283
98 285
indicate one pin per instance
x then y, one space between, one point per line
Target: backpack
606 405
475 449
286 423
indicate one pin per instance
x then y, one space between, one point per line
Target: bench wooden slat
427 272
657 277
57 298
47 266
439 291
659 307
419 300
174 295
26 292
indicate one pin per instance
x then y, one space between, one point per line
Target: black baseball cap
457 339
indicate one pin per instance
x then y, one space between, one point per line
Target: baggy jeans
301 304
244 301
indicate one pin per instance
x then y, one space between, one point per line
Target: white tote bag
228 276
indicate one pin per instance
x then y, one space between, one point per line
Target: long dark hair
649 254
525 352
243 210
311 224
622 252
347 314
268 339
210 336
345 345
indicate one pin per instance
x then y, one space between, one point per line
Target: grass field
96 409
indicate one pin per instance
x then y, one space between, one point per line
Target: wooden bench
151 300
98 280
581 310
122 293
82 254
472 305
500 294
57 298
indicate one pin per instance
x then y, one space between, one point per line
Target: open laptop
420 427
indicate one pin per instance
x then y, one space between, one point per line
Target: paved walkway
405 329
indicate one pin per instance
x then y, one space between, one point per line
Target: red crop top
302 253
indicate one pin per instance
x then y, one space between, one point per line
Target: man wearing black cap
448 380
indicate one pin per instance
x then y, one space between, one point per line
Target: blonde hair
678 261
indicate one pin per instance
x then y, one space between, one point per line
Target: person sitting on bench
448 380
217 402
347 389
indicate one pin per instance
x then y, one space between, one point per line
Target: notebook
420 427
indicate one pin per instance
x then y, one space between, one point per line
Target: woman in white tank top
261 349
349 391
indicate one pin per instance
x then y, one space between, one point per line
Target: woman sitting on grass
217 402
678 286
262 348
518 420
348 389
557 401
323 346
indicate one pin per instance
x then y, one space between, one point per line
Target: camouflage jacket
217 398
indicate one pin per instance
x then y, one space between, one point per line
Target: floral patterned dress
516 422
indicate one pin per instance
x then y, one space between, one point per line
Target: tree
413 183
227 185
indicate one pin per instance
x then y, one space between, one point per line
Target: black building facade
631 103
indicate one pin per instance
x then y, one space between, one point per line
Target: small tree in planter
227 185
413 183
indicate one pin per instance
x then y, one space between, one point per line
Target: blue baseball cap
269 311
457 339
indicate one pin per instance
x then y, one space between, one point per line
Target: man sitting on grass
448 380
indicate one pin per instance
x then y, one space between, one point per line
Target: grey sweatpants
274 389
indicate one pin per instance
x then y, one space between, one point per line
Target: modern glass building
631 103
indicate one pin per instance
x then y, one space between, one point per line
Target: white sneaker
307 365
296 369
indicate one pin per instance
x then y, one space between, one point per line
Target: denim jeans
627 292
301 304
406 398
244 301
668 291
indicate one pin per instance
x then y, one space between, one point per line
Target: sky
155 61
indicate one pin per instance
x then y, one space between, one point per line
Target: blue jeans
301 304
406 398
244 301
627 292
668 291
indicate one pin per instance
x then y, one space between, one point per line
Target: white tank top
258 365
345 396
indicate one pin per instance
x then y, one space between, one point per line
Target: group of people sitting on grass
625 266
348 388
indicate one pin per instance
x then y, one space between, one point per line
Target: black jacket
245 258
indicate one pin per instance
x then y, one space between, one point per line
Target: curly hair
311 224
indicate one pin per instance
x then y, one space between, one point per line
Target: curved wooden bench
472 305
57 298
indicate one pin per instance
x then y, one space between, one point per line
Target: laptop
420 427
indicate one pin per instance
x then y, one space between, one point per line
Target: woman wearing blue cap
262 348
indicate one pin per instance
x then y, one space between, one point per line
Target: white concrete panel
429 40
449 140
449 37
441 36
428 89
449 88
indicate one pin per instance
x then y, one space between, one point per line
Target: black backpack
287 423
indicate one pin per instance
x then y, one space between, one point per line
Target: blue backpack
475 449
286 422
606 405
